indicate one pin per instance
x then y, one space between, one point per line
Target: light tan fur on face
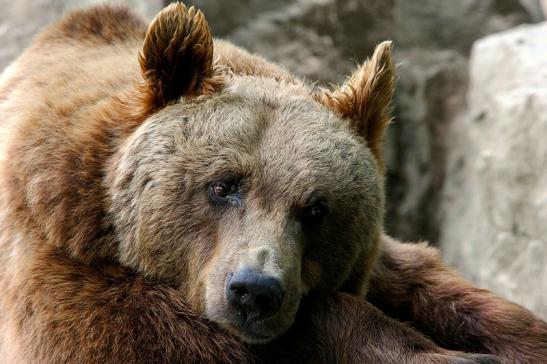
170 230
265 243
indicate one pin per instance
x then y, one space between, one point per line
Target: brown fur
177 55
365 98
412 284
110 251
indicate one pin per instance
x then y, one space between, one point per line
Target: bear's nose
254 295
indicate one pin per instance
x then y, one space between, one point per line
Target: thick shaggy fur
110 251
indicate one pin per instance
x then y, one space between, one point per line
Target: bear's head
249 191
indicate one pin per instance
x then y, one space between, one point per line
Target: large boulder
457 24
317 39
494 226
431 91
434 38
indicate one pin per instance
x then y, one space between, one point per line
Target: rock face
495 197
434 38
20 20
430 93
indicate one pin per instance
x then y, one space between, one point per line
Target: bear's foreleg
61 311
343 328
411 283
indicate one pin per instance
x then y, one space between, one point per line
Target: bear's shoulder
240 62
98 24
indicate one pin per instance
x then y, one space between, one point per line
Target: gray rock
494 223
225 16
535 9
454 24
431 91
318 39
434 37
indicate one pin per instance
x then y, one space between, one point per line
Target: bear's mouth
250 333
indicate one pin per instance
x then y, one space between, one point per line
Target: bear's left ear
177 55
365 98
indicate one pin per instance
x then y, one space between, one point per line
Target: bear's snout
254 296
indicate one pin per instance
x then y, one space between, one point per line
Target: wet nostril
266 303
240 291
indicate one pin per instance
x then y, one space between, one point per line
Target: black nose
253 295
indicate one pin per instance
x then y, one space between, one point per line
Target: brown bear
167 198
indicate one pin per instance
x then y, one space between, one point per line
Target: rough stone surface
431 92
454 24
318 39
495 197
433 38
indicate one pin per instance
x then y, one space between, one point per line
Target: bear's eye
220 190
314 212
224 191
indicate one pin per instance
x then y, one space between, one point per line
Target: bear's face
260 184
244 190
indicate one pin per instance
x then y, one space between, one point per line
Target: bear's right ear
365 98
177 56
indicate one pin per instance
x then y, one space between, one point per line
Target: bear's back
55 100
74 64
